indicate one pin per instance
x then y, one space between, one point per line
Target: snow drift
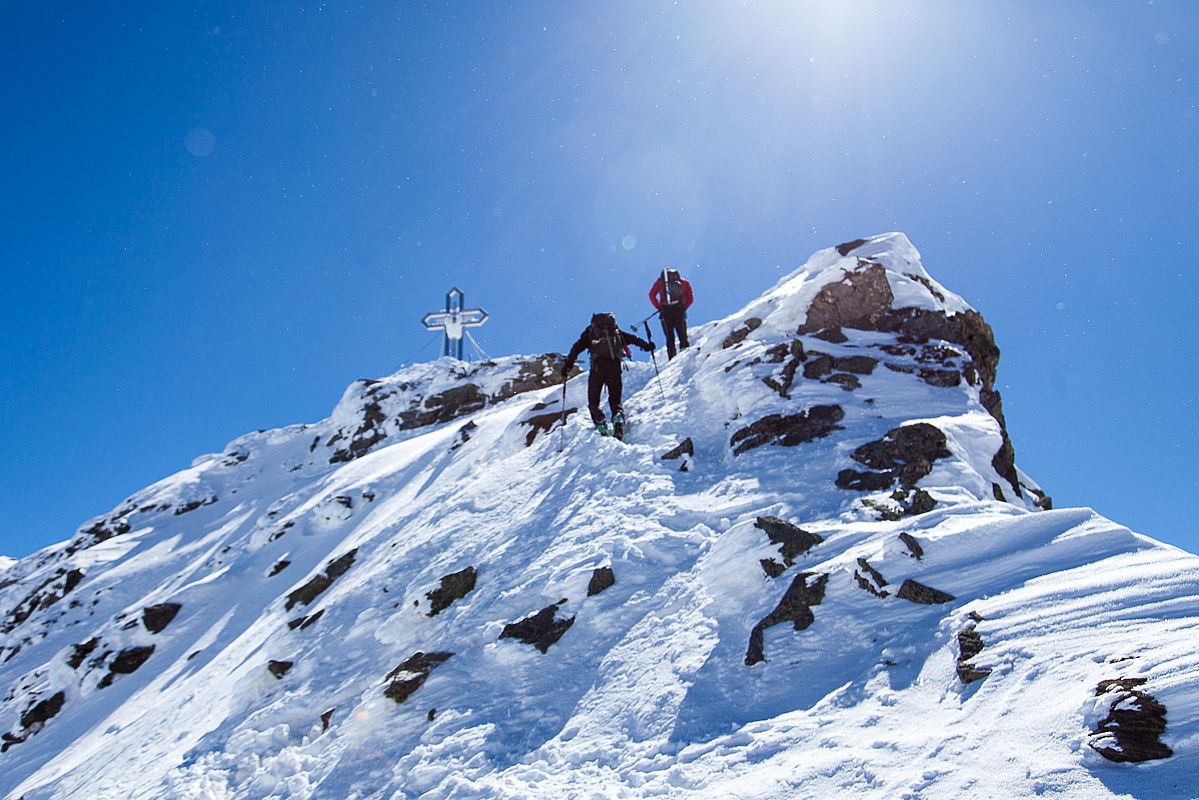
816 570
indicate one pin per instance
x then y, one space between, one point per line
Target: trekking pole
649 337
647 319
562 437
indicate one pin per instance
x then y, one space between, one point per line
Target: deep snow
647 692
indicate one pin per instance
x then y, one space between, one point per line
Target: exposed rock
464 434
319 583
736 337
997 492
157 617
412 673
850 302
194 504
906 453
906 369
326 718
795 607
47 593
771 567
1132 729
684 448
786 377
79 652
863 481
542 423
873 581
943 378
1004 463
42 712
795 541
834 335
788 431
541 629
453 587
130 659
1042 501
912 544
970 644
820 365
601 578
279 668
847 382
907 503
847 247
279 566
919 593
858 365
305 622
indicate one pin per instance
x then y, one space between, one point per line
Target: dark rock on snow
788 431
412 673
1132 729
279 668
846 248
130 659
912 544
795 541
771 567
601 578
278 567
795 607
319 583
906 453
157 617
79 652
970 644
919 593
863 481
48 592
738 336
872 581
685 448
541 629
304 622
453 587
834 335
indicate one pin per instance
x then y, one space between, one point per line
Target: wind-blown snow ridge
839 584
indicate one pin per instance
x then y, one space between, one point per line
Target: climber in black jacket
608 345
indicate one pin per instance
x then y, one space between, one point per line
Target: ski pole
647 319
649 337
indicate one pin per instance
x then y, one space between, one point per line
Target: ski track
646 694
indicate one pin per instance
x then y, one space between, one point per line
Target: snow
6 562
647 693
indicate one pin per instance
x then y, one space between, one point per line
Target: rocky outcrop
541 629
912 544
793 540
79 652
1133 727
871 581
157 617
192 505
906 453
319 583
279 668
685 448
805 591
127 662
543 422
453 587
34 719
303 623
412 673
601 579
917 592
970 644
737 336
788 430
48 592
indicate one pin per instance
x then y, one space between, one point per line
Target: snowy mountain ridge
813 569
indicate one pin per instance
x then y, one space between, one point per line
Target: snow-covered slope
837 584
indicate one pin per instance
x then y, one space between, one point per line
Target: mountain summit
814 569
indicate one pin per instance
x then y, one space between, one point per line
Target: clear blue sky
216 217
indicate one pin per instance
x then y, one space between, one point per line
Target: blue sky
214 218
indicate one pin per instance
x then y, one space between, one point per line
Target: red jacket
656 294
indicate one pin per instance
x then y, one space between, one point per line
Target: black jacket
584 343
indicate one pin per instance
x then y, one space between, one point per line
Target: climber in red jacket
672 297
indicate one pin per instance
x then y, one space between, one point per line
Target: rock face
788 430
412 673
1133 727
602 578
541 629
906 453
319 583
49 592
970 644
453 587
794 541
279 668
805 591
919 593
157 617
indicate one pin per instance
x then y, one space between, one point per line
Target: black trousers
604 372
674 323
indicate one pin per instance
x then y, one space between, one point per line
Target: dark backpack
604 337
672 287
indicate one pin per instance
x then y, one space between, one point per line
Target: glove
647 348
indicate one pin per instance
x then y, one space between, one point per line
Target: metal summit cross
454 321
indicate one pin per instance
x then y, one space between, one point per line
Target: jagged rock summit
815 571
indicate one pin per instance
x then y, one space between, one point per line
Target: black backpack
672 287
605 340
